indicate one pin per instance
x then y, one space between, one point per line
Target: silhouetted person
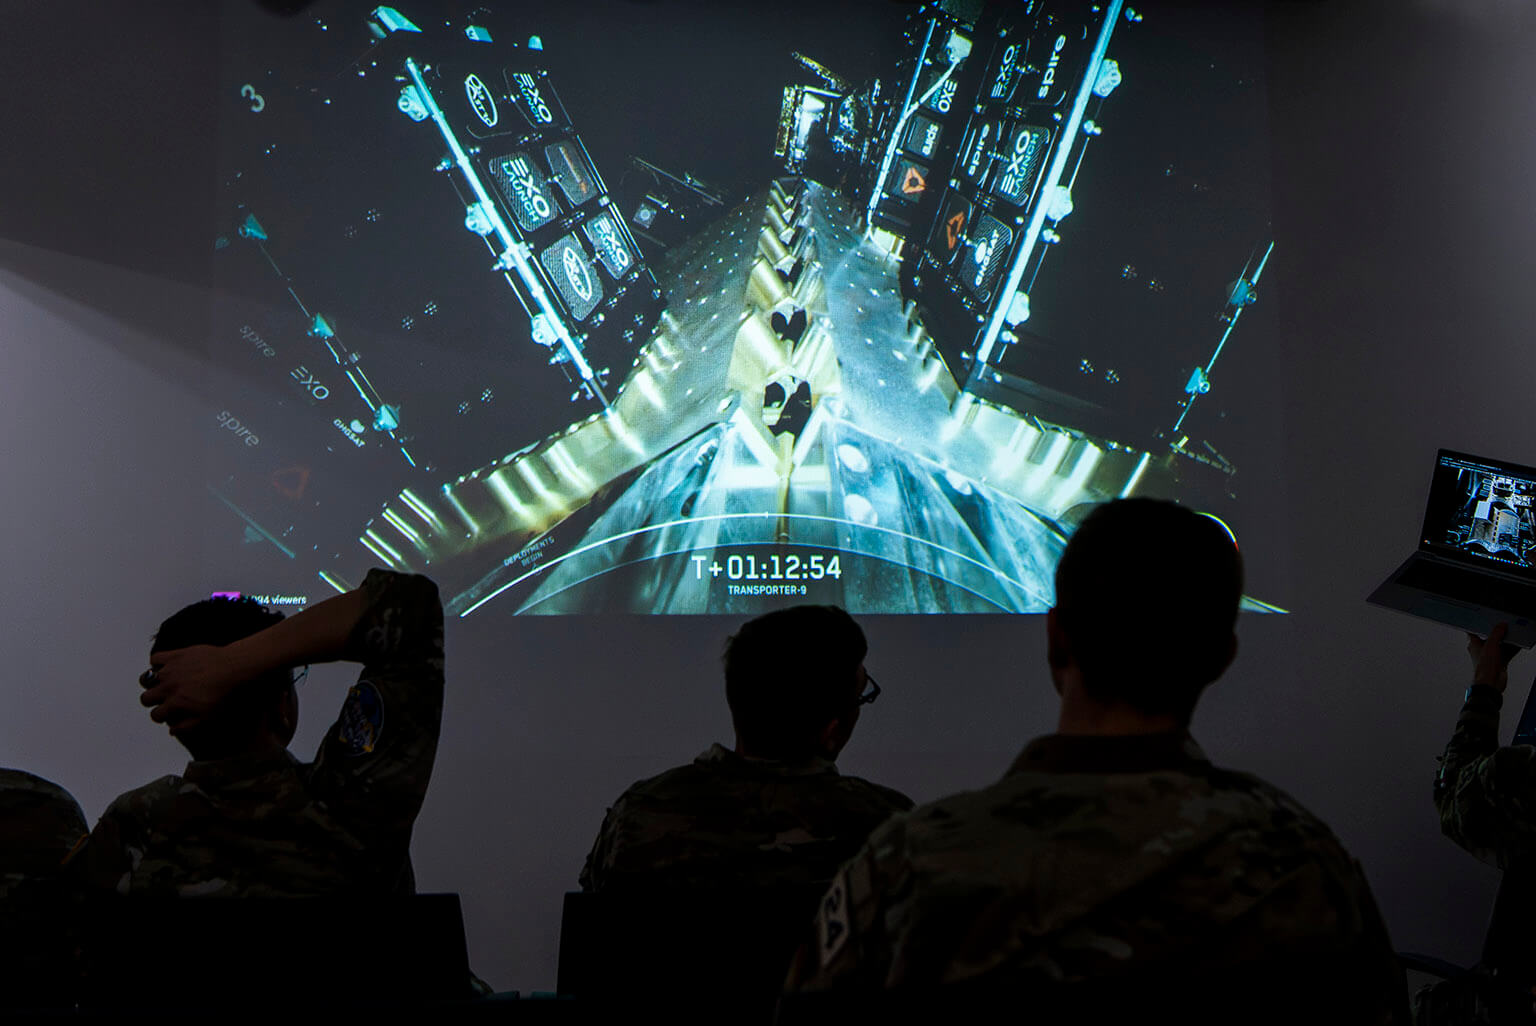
1485 793
774 810
1113 860
40 825
248 818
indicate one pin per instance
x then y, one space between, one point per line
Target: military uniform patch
362 719
832 923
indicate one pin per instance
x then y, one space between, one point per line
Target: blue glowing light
535 43
252 229
392 20
387 418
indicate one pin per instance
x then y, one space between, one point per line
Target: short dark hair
790 673
221 621
1147 594
214 621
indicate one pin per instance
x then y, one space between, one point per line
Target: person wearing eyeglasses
772 809
1113 873
248 818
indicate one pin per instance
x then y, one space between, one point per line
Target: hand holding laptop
1475 565
1490 658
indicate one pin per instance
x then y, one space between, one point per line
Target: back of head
788 674
221 621
1147 593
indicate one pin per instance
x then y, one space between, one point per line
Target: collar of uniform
1125 753
243 768
722 755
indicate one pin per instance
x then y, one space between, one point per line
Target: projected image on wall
666 308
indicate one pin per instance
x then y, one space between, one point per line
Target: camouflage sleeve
375 762
104 863
1486 795
848 945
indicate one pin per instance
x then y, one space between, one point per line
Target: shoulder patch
362 719
832 921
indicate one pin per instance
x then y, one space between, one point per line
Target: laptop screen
1481 512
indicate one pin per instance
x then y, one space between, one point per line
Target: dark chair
1280 994
718 954
355 951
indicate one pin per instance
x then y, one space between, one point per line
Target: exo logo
1050 68
576 273
1025 144
913 183
953 227
311 385
945 98
531 95
1000 84
481 100
526 186
609 243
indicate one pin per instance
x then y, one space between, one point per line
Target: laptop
1476 563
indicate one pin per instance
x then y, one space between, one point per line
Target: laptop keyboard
1470 586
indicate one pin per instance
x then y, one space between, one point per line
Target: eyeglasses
871 689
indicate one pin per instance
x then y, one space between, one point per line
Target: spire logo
1050 68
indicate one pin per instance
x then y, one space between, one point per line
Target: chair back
238 952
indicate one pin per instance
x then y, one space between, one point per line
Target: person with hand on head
248 818
1486 794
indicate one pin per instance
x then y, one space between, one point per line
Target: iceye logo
1050 68
481 100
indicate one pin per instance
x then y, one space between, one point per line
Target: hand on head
1490 658
184 685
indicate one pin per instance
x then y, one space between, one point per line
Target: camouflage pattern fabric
729 821
1485 794
40 824
1098 859
274 826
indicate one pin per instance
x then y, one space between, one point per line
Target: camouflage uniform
729 821
1097 860
274 826
40 823
1486 795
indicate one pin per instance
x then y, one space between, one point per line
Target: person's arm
1485 794
186 684
375 762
